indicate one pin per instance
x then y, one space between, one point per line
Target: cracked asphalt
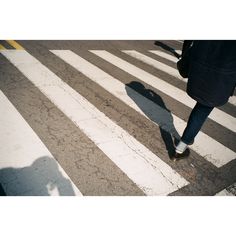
87 166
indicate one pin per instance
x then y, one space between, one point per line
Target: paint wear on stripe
26 165
214 152
217 115
148 171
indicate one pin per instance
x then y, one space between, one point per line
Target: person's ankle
181 147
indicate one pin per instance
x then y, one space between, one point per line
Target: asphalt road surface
101 118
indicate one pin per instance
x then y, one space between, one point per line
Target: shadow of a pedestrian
167 48
158 114
42 178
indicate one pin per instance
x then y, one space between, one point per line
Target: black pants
196 119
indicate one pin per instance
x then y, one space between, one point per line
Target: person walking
211 71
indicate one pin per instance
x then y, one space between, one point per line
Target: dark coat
212 71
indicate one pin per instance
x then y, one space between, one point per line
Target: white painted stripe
164 55
224 193
217 115
214 152
178 51
229 191
149 172
26 165
232 100
154 63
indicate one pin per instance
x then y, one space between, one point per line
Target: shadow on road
42 178
167 48
160 116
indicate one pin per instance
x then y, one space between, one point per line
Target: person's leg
196 119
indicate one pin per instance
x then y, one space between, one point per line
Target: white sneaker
181 147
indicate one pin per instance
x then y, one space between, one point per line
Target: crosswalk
161 66
22 148
229 191
77 88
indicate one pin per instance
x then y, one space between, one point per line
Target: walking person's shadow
42 178
167 48
160 115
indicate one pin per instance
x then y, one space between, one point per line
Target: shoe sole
178 156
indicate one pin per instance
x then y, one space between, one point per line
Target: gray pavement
88 167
